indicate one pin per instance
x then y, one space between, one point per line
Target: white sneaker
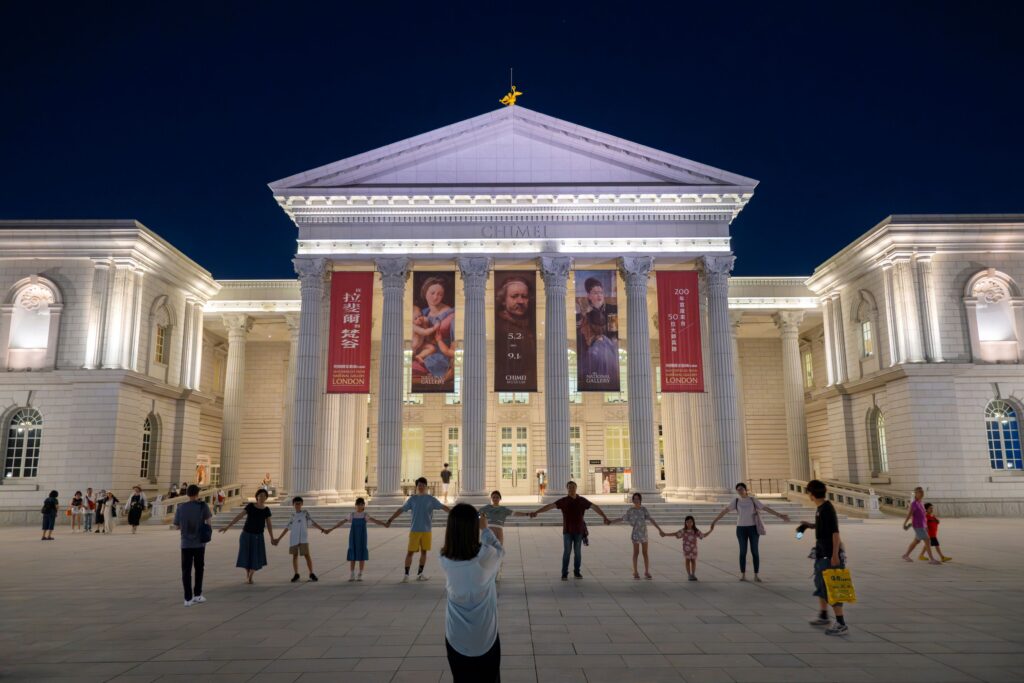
422 577
405 579
198 600
359 578
188 603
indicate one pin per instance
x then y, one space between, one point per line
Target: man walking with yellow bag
828 555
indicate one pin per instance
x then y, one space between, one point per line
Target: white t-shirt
298 528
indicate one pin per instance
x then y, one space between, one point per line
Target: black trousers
483 669
190 557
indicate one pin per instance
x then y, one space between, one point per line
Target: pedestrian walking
638 517
358 539
932 521
299 525
471 559
192 519
689 535
749 527
573 507
917 517
252 549
828 554
422 506
50 507
135 507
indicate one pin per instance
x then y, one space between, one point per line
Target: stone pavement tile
848 645
896 661
365 677
310 665
932 674
705 675
135 678
714 661
305 652
277 677
507 675
616 648
196 667
780 660
431 650
724 648
544 647
378 664
684 648
418 676
109 654
343 649
426 663
184 678
997 674
560 676
244 666
967 661
639 661
617 675
577 661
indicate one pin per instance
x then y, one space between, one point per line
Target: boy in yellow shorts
422 506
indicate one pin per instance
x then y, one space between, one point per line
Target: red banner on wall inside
679 331
348 353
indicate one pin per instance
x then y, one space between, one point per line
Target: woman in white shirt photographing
471 558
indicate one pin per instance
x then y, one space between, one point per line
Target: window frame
1004 445
22 449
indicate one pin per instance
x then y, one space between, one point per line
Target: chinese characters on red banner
679 331
348 355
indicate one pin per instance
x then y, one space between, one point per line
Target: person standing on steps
749 527
446 478
189 519
422 506
573 508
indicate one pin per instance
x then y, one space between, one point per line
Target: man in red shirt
573 508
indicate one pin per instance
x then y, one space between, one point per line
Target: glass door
513 450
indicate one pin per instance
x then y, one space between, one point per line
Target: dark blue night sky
178 114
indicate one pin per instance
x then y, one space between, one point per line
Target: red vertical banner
679 331
348 352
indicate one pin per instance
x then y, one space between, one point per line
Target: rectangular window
161 344
575 454
575 395
808 369
409 398
455 398
412 454
616 446
622 395
510 398
867 339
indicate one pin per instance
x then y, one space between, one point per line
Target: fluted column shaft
394 272
238 326
475 271
196 380
358 438
929 309
555 272
288 456
704 437
907 309
684 438
723 374
309 380
668 440
346 443
735 317
788 323
636 271
187 341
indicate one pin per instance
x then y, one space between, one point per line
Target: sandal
636 577
647 575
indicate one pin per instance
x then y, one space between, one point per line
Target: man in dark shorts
828 554
446 478
573 508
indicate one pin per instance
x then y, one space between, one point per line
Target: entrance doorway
513 449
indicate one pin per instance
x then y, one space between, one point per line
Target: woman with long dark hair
471 558
749 527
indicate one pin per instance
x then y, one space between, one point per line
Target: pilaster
788 323
238 327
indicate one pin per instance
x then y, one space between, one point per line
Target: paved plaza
98 608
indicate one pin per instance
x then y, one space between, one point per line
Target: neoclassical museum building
529 301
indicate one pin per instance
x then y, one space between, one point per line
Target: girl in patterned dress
689 534
637 517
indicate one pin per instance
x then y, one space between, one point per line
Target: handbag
761 531
839 586
205 529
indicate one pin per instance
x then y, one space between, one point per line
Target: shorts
418 540
299 549
444 487
920 533
820 565
935 541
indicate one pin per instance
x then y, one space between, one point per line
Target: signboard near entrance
348 354
679 331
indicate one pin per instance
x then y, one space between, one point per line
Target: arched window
994 305
30 321
21 451
147 446
876 439
865 316
1003 430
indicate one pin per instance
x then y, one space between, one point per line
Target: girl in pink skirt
689 534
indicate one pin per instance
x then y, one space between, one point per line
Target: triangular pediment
516 148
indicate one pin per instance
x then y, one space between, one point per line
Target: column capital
718 265
554 270
310 270
237 324
788 322
394 270
292 321
474 269
636 269
735 318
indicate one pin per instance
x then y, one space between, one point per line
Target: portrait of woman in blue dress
433 334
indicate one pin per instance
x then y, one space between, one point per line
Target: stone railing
163 510
866 500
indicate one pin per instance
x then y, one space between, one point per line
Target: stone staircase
670 515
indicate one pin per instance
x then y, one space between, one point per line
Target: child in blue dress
357 538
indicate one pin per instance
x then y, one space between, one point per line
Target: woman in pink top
917 518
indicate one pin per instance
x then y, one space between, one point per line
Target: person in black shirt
446 478
828 554
252 550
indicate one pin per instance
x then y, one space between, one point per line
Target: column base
395 500
313 498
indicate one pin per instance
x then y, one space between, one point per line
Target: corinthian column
723 374
287 460
636 270
346 444
309 381
788 323
703 476
394 271
475 271
555 272
238 326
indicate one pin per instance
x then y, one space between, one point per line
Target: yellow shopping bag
839 585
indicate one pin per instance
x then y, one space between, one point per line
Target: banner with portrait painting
597 331
348 352
679 331
515 330
433 332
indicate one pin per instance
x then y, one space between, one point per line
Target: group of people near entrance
93 513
